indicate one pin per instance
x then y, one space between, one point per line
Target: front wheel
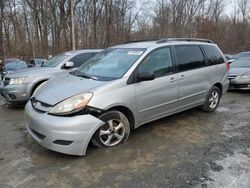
114 131
212 100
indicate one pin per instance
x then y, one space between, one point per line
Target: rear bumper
69 135
15 93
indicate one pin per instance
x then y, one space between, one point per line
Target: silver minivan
123 88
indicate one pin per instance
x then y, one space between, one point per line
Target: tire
115 131
212 100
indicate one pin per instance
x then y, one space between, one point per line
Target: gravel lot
190 149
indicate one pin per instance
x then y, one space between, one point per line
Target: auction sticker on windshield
135 52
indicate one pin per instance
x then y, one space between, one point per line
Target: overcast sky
229 5
227 10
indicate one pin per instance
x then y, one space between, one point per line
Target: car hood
239 71
63 87
34 71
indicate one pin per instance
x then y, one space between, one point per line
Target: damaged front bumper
69 135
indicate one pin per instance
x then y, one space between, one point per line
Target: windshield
242 63
110 64
12 65
53 62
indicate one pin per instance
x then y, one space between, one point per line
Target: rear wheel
115 131
212 100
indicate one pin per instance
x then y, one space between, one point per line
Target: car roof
11 59
135 45
167 41
244 52
38 59
84 51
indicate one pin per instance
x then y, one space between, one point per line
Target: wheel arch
123 109
36 85
127 112
219 85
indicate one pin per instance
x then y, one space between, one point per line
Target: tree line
33 28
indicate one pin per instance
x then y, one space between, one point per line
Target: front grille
232 76
40 106
39 135
6 81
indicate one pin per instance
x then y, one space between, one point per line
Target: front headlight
71 105
18 80
245 76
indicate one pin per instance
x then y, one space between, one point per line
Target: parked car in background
238 56
239 75
123 88
37 62
242 55
229 56
12 65
19 86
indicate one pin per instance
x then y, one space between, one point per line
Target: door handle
173 79
182 77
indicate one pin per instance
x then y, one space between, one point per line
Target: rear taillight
228 66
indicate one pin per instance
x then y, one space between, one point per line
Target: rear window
213 55
189 57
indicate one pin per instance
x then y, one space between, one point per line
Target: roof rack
183 39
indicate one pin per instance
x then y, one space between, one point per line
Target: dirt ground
189 149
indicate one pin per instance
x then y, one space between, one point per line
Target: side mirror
231 60
145 76
69 65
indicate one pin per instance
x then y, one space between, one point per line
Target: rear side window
158 61
79 59
189 57
214 56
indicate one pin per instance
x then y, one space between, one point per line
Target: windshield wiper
88 77
83 75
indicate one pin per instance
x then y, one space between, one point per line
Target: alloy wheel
112 132
213 99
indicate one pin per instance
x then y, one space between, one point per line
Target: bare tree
30 28
2 50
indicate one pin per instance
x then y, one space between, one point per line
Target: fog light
63 142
